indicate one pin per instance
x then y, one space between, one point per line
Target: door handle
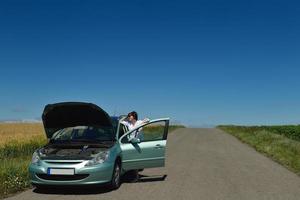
158 146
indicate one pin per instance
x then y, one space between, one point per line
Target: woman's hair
133 114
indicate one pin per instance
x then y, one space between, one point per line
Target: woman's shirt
132 126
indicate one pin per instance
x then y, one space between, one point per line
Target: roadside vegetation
17 143
174 127
281 143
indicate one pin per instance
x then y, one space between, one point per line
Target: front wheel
116 177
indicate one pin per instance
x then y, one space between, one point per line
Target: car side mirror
135 140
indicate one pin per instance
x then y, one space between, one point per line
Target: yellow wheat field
20 132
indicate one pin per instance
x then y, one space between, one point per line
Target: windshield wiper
91 141
80 141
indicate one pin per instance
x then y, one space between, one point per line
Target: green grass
290 131
14 175
270 141
15 157
15 149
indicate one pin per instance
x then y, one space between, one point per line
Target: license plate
52 171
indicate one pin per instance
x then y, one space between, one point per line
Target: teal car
86 146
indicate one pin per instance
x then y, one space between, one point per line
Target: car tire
116 177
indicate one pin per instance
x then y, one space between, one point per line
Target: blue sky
199 62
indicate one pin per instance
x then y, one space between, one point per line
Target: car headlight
35 158
98 159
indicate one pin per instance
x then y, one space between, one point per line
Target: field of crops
281 143
17 143
21 132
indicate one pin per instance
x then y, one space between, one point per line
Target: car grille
65 163
63 177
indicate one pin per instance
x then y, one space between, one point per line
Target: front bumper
97 174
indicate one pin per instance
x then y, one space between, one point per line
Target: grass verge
277 146
15 158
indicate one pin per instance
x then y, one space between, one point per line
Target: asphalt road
201 164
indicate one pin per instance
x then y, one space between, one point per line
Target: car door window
122 130
152 131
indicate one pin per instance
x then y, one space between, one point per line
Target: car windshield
83 134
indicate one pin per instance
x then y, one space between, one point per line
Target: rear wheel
116 177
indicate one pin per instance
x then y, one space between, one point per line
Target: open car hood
68 114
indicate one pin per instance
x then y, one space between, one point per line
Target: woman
132 122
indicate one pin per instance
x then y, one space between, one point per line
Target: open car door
145 146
